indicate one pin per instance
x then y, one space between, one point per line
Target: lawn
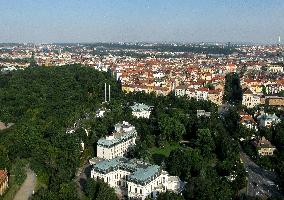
159 154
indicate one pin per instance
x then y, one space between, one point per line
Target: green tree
99 190
4 159
233 90
169 196
205 142
68 191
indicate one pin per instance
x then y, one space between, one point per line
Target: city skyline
142 21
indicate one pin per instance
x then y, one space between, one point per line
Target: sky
47 21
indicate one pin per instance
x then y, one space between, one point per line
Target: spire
109 93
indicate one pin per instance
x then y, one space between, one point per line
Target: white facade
118 143
139 180
250 98
201 95
141 110
250 101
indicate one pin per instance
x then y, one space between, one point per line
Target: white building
135 178
202 94
181 90
200 113
118 143
141 110
250 98
274 68
267 120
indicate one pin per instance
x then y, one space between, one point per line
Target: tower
279 40
105 92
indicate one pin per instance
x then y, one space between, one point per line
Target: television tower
279 40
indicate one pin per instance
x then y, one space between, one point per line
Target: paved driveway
27 187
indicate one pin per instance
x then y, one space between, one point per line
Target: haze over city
136 20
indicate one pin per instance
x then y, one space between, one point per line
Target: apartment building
250 99
118 143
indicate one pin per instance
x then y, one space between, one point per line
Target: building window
140 191
135 190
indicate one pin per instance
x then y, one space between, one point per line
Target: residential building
216 96
181 90
250 99
141 110
4 179
274 68
118 143
274 101
136 179
202 113
264 147
248 121
267 120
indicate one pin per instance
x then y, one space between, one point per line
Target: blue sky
141 20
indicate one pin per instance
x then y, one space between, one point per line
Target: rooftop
144 174
266 116
140 107
123 131
263 143
3 175
141 172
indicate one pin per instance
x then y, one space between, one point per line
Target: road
27 187
81 177
261 182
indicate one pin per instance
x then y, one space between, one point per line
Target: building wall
4 185
250 101
215 98
159 184
119 178
118 150
114 179
275 101
266 151
141 114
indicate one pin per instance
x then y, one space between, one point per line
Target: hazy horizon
158 21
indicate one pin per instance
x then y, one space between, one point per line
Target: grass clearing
159 154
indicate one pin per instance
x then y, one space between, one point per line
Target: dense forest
43 102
